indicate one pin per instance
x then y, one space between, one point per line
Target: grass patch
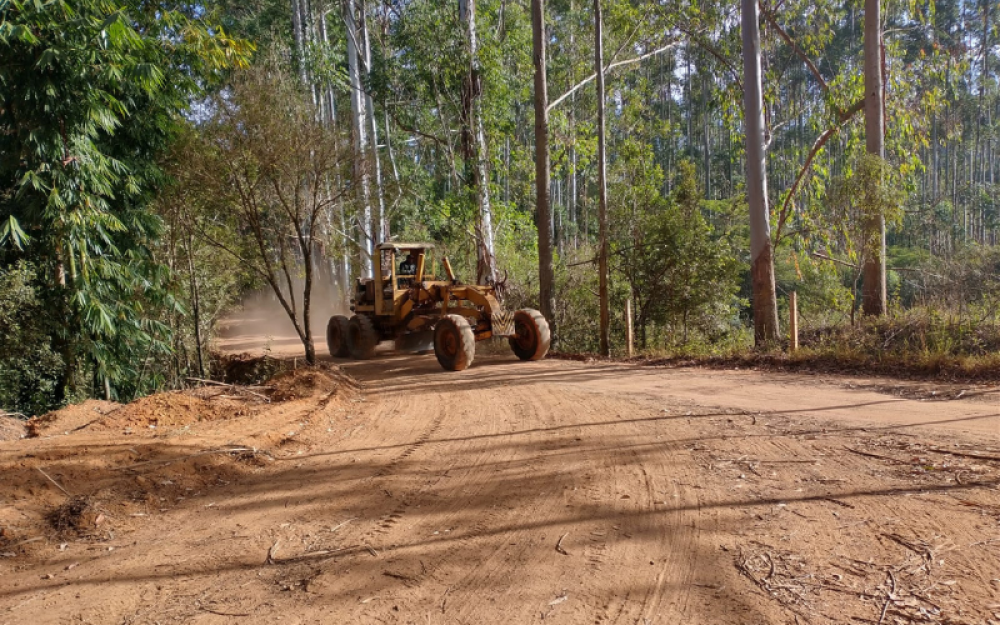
915 344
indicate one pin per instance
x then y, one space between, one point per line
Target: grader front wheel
532 336
336 336
454 343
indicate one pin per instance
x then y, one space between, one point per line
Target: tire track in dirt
416 486
498 527
464 486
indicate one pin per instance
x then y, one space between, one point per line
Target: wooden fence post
629 337
793 321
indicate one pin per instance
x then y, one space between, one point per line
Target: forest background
159 160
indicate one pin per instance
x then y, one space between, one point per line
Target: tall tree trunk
706 138
307 337
328 94
360 134
765 307
602 185
574 196
874 292
543 211
983 77
195 305
298 30
474 136
380 224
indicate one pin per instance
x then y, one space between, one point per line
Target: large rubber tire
454 343
336 336
362 337
532 336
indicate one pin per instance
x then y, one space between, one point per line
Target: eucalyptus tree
874 273
370 222
602 187
765 306
543 209
474 149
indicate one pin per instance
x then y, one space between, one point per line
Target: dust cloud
260 324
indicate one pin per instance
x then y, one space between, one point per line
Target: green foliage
869 191
824 289
258 181
682 277
92 91
29 369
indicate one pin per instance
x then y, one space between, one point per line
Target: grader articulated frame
414 308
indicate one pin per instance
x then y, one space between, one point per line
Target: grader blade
415 342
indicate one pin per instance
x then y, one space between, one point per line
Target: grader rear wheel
532 336
362 337
336 336
454 343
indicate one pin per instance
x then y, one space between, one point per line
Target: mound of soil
308 382
170 410
12 428
77 479
70 418
176 409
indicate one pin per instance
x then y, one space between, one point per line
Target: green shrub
29 368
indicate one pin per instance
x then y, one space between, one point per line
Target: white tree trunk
380 223
485 251
360 133
765 309
298 30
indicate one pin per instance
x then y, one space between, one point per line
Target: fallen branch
57 484
270 559
235 387
559 546
840 503
889 596
220 613
334 529
923 552
963 454
871 455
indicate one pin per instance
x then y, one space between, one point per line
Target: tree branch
410 129
718 55
795 48
608 68
821 141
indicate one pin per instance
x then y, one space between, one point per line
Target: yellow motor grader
407 304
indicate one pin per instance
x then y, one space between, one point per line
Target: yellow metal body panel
419 304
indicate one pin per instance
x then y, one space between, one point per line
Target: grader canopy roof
404 246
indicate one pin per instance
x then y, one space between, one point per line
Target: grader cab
408 302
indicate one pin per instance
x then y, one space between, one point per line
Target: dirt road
513 492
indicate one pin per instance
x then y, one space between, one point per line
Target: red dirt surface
12 428
511 492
